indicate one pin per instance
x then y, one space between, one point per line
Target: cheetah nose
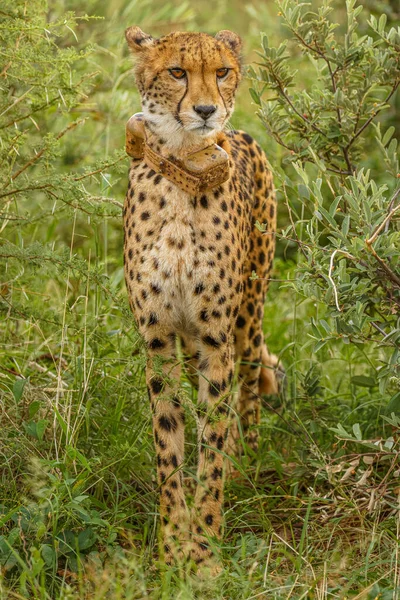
205 110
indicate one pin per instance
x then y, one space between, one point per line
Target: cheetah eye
177 73
222 73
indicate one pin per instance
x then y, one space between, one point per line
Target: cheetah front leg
216 372
162 377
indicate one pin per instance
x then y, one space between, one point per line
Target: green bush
317 512
342 199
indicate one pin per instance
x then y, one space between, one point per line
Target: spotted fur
188 266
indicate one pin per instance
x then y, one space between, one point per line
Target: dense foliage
317 514
345 223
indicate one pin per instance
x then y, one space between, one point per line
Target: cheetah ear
231 40
137 39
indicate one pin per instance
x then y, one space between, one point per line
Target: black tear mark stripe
178 108
219 92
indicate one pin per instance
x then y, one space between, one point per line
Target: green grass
314 515
80 498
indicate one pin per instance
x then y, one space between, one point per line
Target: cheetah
189 258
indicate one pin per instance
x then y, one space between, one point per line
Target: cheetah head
187 81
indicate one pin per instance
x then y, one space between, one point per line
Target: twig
48 103
372 117
99 170
345 150
8 65
289 101
16 101
26 189
333 169
391 204
339 171
378 328
43 150
392 466
392 276
386 220
332 282
106 200
293 225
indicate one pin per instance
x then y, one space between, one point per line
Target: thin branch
391 205
376 326
299 243
334 169
43 150
392 276
106 200
386 220
8 65
26 116
339 171
26 189
345 151
372 117
347 159
16 101
289 101
99 170
306 44
332 282
49 102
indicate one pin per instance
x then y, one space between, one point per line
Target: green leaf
303 190
363 381
33 408
382 23
86 539
320 344
48 554
341 432
18 388
255 96
345 225
325 325
388 135
36 429
357 431
67 541
394 404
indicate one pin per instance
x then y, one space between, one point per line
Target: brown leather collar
200 171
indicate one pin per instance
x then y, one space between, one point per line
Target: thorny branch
43 150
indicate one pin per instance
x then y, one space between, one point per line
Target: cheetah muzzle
189 256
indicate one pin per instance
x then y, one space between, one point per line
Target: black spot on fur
240 322
167 423
156 344
199 289
153 319
210 341
156 385
204 201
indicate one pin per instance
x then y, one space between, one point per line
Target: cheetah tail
272 373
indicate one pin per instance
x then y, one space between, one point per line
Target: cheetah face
187 81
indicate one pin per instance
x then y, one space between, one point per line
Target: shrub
343 204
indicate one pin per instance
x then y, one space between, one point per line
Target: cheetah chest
175 261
